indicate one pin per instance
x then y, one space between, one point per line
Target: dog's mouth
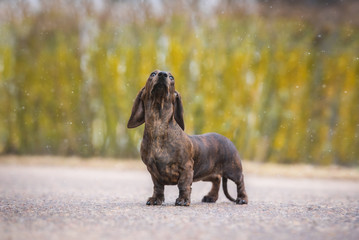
160 90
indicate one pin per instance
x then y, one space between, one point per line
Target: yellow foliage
278 92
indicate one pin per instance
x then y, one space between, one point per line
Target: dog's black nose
162 74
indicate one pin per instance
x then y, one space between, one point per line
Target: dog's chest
162 166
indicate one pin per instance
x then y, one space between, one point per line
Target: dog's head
158 91
160 86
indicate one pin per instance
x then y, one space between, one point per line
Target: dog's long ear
138 112
178 110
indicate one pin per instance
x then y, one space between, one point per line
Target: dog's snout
162 74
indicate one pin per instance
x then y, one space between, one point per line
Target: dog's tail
225 189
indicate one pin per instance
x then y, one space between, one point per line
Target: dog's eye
172 78
153 74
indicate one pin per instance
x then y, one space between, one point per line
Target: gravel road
59 202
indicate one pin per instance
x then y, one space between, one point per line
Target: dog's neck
158 116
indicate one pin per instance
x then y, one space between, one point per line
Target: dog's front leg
184 186
158 196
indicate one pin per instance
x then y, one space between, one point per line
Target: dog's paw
209 199
154 201
183 202
241 201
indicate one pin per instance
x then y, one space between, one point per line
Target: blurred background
280 78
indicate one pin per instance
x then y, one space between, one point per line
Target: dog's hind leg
242 197
238 179
212 196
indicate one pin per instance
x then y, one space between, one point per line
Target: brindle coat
173 157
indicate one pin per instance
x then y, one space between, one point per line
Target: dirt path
58 202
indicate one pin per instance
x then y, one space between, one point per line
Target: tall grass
280 89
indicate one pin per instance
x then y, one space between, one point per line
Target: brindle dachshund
173 157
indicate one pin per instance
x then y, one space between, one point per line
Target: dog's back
214 154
